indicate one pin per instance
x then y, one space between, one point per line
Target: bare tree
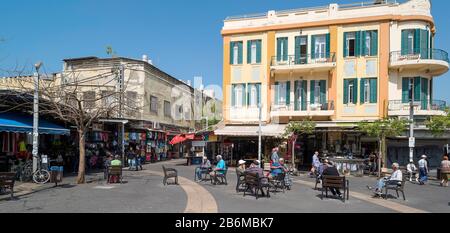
73 98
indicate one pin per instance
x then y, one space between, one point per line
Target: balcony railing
424 105
303 107
293 60
419 54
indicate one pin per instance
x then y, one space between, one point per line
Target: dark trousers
335 191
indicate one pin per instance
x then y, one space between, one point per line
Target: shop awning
177 139
21 123
272 130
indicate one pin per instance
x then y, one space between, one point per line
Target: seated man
219 169
331 170
395 178
256 169
204 167
287 177
115 163
412 171
322 167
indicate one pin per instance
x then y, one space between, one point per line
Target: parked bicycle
41 175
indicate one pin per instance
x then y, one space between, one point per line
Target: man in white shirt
412 171
423 170
395 178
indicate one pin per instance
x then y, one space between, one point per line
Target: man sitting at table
395 178
331 170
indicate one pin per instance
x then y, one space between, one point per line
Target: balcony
432 61
318 63
307 109
422 108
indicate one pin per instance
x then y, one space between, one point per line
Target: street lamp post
411 124
35 152
259 133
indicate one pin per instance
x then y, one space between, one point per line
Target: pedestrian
138 161
423 170
315 164
445 171
395 178
275 157
131 159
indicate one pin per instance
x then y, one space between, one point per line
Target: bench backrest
115 170
7 178
251 178
334 181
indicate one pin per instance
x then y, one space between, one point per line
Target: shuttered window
368 90
282 49
236 53
350 91
254 51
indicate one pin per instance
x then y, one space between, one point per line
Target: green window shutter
233 95
258 51
405 90
297 49
304 95
373 91
240 52
313 47
285 49
258 90
346 83
296 94
244 94
249 52
417 41
231 53
277 93
358 44
327 39
288 93
323 92
374 45
404 42
424 40
279 41
355 95
311 91
361 94
431 90
345 45
424 93
363 43
417 89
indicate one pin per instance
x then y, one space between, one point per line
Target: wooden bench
338 182
219 177
240 180
397 186
279 182
115 171
7 180
254 182
170 173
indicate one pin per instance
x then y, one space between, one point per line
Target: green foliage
384 128
439 124
306 126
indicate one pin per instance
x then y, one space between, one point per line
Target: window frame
351 93
235 54
320 47
254 51
153 103
351 36
167 111
282 86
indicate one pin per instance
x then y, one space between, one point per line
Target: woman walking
445 171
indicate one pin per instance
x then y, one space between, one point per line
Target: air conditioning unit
406 118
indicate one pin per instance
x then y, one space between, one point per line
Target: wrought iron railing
426 105
303 106
292 60
419 54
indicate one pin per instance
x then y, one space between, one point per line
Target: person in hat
241 167
423 170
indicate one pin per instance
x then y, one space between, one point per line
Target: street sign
412 142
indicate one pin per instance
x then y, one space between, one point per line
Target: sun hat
241 162
424 156
257 162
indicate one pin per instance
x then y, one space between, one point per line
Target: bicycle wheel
41 176
26 173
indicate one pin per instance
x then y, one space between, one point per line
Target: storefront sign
412 142
198 143
212 138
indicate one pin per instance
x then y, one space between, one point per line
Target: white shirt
423 163
397 175
411 167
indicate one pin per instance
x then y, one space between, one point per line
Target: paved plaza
143 192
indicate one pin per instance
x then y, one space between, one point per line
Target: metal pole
411 124
259 134
36 117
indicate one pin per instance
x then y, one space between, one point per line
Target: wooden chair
219 177
170 173
7 180
253 181
338 182
397 186
115 171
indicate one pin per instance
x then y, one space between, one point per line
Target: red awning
177 139
190 136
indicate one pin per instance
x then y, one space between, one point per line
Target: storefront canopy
21 123
181 138
272 130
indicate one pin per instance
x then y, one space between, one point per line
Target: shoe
370 188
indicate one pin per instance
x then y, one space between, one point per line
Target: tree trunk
380 153
81 166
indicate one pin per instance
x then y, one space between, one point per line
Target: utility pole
259 134
120 83
411 119
37 66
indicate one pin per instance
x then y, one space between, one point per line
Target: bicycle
41 175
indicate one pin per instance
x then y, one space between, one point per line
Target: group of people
135 159
206 168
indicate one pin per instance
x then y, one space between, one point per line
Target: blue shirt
221 166
276 171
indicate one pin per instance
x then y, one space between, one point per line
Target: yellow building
339 65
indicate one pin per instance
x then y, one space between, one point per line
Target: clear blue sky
182 37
